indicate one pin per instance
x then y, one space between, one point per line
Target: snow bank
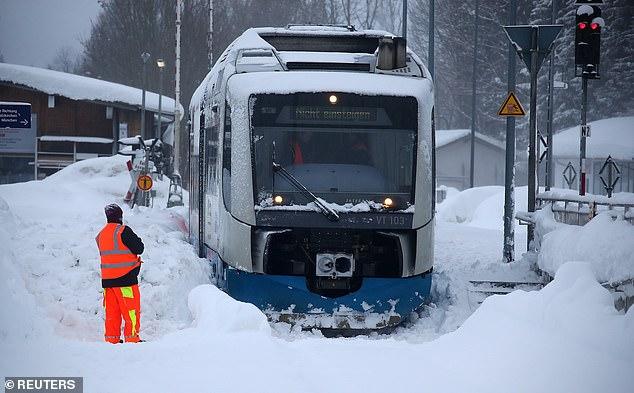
215 312
481 207
19 316
607 244
565 338
56 221
462 206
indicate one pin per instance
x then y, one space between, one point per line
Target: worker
119 248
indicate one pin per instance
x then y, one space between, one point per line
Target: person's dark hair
113 213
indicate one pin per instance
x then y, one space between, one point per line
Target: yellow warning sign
511 107
144 182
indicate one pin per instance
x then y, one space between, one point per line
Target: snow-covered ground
566 337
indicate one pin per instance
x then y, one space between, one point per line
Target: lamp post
145 57
161 64
473 95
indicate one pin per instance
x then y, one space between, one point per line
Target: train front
340 208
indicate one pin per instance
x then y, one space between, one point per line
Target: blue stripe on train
280 293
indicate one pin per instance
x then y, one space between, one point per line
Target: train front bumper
379 303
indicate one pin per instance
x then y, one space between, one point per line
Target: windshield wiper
327 210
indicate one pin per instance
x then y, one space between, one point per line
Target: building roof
81 88
608 137
75 139
445 137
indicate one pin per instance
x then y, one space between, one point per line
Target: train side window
226 159
212 131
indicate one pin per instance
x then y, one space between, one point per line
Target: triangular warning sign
511 107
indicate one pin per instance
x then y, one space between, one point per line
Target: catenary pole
582 144
430 49
551 108
177 90
160 108
404 19
144 57
509 175
532 135
210 33
473 94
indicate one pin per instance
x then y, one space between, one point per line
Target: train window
226 159
346 150
211 131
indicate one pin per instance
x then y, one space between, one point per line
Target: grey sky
32 31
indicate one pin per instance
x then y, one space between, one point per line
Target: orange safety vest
116 259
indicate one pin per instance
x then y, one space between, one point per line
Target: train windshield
344 148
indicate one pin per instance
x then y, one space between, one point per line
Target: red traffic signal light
594 26
582 25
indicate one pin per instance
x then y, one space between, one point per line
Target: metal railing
575 211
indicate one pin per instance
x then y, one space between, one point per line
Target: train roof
307 48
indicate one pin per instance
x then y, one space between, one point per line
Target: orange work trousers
122 303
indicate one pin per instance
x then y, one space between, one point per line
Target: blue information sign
15 115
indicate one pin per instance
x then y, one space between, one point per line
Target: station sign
19 140
15 115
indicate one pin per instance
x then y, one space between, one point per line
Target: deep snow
566 337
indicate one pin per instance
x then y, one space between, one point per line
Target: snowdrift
566 337
481 207
607 244
52 240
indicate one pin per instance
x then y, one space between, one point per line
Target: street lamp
161 64
145 57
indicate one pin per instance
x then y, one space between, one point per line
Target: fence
578 211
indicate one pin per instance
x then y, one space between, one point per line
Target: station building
73 117
608 137
453 159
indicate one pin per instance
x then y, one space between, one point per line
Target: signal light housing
588 41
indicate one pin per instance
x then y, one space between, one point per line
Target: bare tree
66 60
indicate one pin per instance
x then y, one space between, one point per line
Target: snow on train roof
252 39
319 30
324 81
614 136
79 87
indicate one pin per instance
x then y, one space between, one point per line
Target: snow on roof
79 87
445 137
326 57
614 137
324 81
15 103
317 30
77 139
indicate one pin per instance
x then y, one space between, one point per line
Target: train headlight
278 200
333 99
388 203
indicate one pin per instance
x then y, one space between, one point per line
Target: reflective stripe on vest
116 259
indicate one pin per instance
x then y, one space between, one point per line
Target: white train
312 175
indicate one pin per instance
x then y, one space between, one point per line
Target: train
312 174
